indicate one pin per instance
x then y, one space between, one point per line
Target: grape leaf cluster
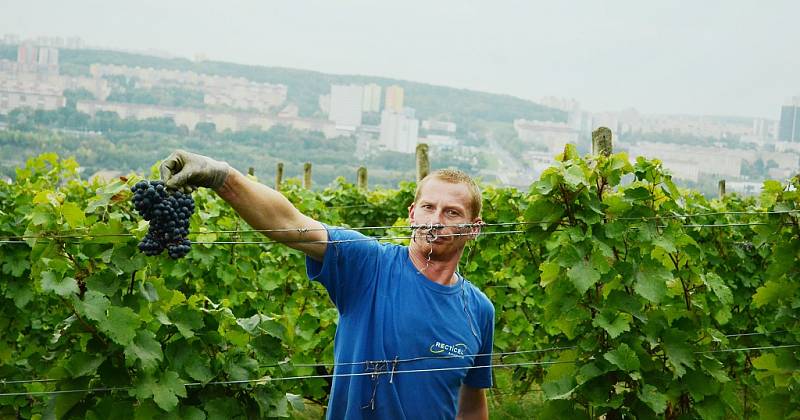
168 213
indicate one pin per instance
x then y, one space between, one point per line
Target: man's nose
439 217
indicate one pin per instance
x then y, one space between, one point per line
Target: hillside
462 106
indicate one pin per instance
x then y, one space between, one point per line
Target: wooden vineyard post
307 175
361 176
278 176
601 141
423 164
721 187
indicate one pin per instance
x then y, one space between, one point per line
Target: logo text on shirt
451 349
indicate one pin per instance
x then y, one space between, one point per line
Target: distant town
696 149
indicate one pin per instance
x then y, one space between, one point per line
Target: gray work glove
187 171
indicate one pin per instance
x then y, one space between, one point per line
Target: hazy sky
690 57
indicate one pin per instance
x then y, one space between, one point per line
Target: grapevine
622 296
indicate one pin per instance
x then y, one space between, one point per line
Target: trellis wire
292 378
376 238
308 241
511 353
420 358
371 373
782 346
463 225
389 361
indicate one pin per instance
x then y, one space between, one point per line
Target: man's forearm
263 208
472 404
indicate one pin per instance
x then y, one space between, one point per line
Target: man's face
444 203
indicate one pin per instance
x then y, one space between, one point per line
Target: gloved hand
186 171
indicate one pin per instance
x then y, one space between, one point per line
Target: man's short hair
455 176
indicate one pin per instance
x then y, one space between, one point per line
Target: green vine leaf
62 286
651 283
146 349
583 276
653 398
121 324
623 357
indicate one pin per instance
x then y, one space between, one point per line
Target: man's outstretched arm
264 208
472 404
261 207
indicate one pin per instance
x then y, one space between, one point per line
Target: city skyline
679 57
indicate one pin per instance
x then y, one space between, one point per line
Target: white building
222 120
552 135
372 98
346 105
689 162
218 91
764 130
399 130
18 94
439 126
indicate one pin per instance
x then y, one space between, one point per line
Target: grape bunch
168 213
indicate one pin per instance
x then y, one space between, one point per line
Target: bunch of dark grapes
168 213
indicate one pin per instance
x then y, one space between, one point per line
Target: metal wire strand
16 239
463 225
276 230
306 241
420 358
291 378
369 373
783 346
395 361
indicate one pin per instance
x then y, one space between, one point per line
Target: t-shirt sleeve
481 376
347 268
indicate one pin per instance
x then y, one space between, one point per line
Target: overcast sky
682 57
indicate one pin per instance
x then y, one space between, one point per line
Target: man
414 339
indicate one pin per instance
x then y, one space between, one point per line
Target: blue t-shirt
390 313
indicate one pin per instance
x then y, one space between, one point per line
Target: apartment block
18 94
346 105
399 131
394 99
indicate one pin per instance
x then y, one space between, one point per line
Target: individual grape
168 213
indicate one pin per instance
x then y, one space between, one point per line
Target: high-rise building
394 98
372 98
44 56
789 128
399 130
763 129
26 54
346 105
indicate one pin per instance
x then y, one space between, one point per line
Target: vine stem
85 324
686 295
567 203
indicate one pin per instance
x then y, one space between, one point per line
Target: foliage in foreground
641 300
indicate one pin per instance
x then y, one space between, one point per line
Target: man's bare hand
187 171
